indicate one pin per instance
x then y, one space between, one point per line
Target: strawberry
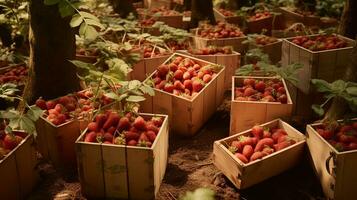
150 126
278 133
108 137
131 135
188 84
100 119
207 78
247 151
140 123
256 155
41 104
163 70
64 100
186 75
178 74
179 86
197 85
50 104
169 87
260 86
111 130
249 81
281 90
132 143
161 85
249 92
352 146
263 143
93 126
123 124
282 145
257 131
91 137
70 107
326 134
283 98
112 120
11 141
241 157
247 140
173 67
151 136
157 121
267 150
143 137
266 134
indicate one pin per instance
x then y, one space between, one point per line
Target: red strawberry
132 143
282 145
267 150
283 98
266 134
178 74
143 137
124 124
249 92
188 84
100 119
237 145
352 146
186 75
161 85
169 87
150 126
11 141
91 137
173 67
256 155
260 86
93 126
151 135
111 130
197 85
278 133
257 131
140 123
179 86
108 137
70 107
130 135
207 78
112 120
263 143
247 151
281 90
241 157
163 70
50 104
64 100
41 104
157 121
249 81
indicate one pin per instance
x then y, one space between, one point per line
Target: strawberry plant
259 39
337 89
330 8
16 75
259 143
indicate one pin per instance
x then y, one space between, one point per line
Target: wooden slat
231 62
115 171
138 72
326 67
9 180
346 176
285 56
181 111
90 169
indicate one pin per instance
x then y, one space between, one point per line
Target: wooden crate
286 34
273 50
191 114
245 175
173 21
87 59
328 65
18 171
231 19
123 172
157 3
236 43
146 67
230 61
336 170
257 26
245 114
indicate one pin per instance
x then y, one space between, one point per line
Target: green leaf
134 98
51 2
338 86
88 15
94 23
112 95
321 85
88 32
318 109
65 9
76 20
199 194
352 90
34 113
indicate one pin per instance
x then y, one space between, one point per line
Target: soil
190 166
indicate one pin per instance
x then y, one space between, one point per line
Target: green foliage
199 194
339 88
8 91
330 8
169 33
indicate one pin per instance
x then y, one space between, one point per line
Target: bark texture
201 10
348 26
52 44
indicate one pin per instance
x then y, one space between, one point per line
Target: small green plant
199 194
338 88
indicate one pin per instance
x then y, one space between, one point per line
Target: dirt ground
190 166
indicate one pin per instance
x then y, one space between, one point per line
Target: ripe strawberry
112 120
173 67
100 119
50 104
282 145
143 137
178 74
111 130
197 85
93 126
281 90
10 142
249 81
352 146
327 134
238 145
161 85
140 123
123 124
200 75
260 86
169 87
64 100
132 143
207 78
157 121
278 133
186 75
53 112
150 126
263 143
267 150
256 155
91 137
151 136
70 107
179 86
257 131
41 104
241 157
188 84
283 98
247 151
108 137
163 70
266 134
249 92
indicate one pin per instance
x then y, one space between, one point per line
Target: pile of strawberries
183 77
163 11
174 45
320 43
221 30
111 128
9 141
342 138
147 22
260 143
16 75
226 13
67 107
265 90
149 52
265 40
211 50
259 15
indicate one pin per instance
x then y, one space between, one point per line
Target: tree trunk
348 26
201 10
52 44
123 7
187 5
